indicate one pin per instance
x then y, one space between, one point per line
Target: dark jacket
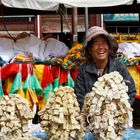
88 75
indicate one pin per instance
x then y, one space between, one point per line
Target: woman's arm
129 82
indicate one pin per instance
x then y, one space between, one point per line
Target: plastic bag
131 134
41 135
88 136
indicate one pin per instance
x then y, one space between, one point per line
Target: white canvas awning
52 5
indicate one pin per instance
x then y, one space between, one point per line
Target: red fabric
11 77
24 71
4 90
47 77
9 69
40 98
13 69
137 96
74 74
63 76
55 71
138 67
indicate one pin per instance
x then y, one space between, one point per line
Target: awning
41 7
52 5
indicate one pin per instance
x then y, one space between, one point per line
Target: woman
98 51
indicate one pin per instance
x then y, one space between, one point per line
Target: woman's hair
114 44
87 49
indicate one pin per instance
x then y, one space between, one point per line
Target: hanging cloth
10 69
38 70
38 90
36 85
32 81
55 69
48 90
63 76
1 90
56 83
7 84
29 88
17 84
70 82
74 73
47 77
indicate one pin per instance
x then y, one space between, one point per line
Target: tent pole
86 19
102 21
38 26
74 24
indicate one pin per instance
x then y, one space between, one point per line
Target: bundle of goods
15 115
23 58
106 110
73 59
127 61
61 115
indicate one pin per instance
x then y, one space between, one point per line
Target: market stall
35 79
128 53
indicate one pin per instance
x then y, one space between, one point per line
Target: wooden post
61 22
95 20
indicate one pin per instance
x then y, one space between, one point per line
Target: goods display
73 59
61 115
106 110
127 37
128 53
15 115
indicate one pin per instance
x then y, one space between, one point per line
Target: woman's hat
94 32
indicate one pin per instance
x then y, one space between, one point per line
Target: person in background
99 48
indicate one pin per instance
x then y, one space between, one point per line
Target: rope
63 12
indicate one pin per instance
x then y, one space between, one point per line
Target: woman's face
100 49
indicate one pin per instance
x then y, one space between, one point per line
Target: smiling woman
98 51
